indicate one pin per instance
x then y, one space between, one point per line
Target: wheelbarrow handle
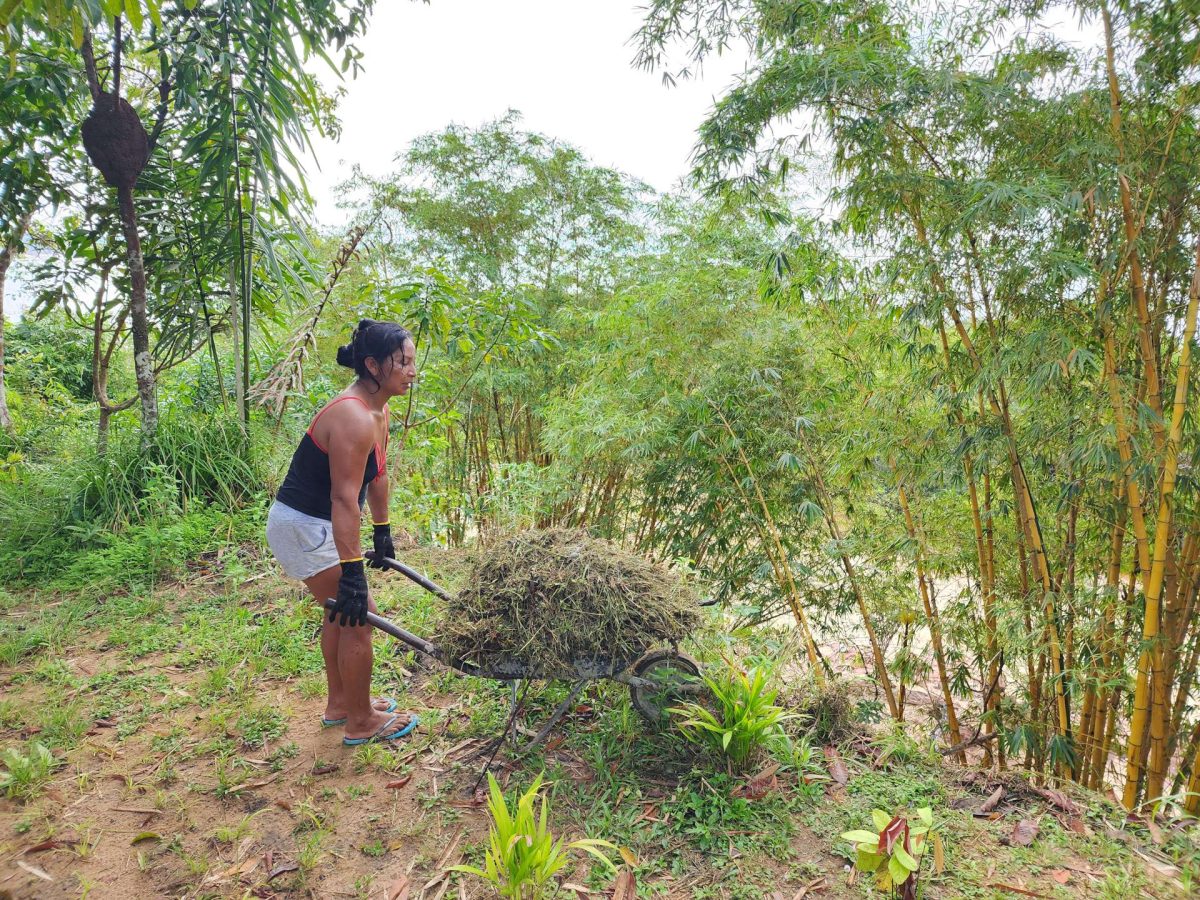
390 627
413 575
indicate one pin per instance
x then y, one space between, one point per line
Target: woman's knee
357 635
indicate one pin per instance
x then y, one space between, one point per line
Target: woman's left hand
383 545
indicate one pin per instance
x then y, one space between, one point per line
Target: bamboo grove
908 373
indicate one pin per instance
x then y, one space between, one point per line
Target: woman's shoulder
349 413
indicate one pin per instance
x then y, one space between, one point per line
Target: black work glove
351 603
383 546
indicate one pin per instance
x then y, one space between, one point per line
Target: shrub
826 707
894 850
744 717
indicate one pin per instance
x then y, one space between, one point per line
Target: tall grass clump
188 461
142 507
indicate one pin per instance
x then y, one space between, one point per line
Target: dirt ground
192 763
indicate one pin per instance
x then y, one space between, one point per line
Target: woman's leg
348 661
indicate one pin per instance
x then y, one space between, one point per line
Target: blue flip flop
382 734
334 723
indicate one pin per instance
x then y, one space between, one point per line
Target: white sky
564 64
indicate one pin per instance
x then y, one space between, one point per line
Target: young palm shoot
523 855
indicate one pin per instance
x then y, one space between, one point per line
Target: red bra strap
334 402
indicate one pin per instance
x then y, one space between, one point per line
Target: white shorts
302 544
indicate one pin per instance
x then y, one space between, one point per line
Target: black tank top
308 486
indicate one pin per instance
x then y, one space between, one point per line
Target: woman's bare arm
351 440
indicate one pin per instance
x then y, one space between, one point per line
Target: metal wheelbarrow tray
657 679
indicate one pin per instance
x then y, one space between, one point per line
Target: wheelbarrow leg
555 718
511 730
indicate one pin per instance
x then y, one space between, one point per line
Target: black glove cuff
382 531
355 569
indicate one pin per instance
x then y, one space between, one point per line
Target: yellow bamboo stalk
1132 230
826 505
1158 564
1191 805
776 554
935 624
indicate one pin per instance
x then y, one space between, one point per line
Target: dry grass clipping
550 598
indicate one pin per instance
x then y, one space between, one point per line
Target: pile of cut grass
554 598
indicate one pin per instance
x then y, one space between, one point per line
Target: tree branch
89 64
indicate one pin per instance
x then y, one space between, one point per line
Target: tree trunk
239 364
139 322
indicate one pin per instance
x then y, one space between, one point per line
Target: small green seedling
745 717
522 854
27 773
894 852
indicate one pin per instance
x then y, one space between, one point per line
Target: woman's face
397 374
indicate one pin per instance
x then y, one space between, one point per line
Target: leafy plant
27 773
745 715
895 850
522 854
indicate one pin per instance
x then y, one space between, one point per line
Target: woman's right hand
351 602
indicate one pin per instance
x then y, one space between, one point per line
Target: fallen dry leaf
759 785
837 769
326 769
1024 832
625 886
146 836
1013 889
939 854
1076 825
399 889
475 801
399 782
1059 799
1162 868
817 884
627 855
40 873
52 844
1062 876
1156 834
649 814
993 801
581 893
282 869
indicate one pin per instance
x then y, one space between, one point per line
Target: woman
313 526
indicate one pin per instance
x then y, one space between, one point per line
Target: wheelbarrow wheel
675 678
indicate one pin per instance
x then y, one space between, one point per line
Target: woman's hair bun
345 355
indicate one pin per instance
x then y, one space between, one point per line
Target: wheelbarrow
657 679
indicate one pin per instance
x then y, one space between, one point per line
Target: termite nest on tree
116 141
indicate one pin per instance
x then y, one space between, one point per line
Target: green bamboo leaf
133 10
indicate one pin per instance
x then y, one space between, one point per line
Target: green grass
27 770
189 675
